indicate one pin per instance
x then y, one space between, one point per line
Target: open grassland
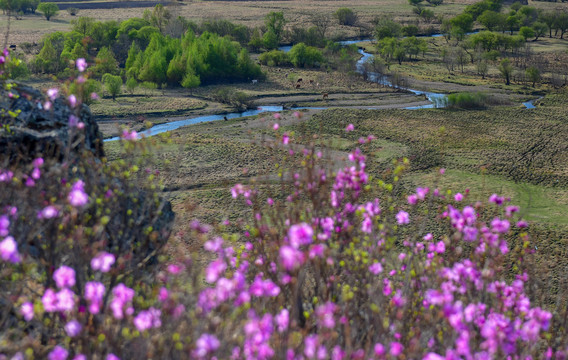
520 153
251 13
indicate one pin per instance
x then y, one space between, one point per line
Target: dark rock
38 132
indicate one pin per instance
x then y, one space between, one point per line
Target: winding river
436 99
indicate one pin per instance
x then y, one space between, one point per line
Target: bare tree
321 22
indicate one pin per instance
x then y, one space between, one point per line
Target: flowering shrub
339 266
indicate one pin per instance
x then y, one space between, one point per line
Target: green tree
526 32
346 16
540 29
549 18
533 74
506 70
48 10
275 22
415 2
302 55
160 17
270 40
387 28
461 25
482 68
491 19
83 25
512 23
105 62
113 85
131 85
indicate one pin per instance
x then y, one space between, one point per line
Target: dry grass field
251 13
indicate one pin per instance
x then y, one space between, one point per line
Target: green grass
537 203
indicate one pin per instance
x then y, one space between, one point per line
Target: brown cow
298 86
299 80
325 96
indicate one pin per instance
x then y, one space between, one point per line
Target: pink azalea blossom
53 93
9 250
73 328
402 217
300 234
349 128
48 212
81 64
58 353
64 277
77 197
102 262
27 311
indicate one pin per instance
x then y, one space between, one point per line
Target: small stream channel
437 100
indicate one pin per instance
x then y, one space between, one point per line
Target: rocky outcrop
36 131
29 131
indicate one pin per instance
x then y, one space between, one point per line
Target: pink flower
129 135
148 319
163 294
49 300
103 262
325 315
282 320
73 328
53 93
48 212
72 100
412 199
379 349
349 128
433 356
396 348
214 270
285 139
376 268
9 250
65 300
277 116
77 197
205 345
27 311
291 258
458 197
440 247
174 269
81 64
58 353
300 234
275 126
73 121
64 277
111 356
4 225
402 217
94 293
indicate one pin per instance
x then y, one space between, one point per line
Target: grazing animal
255 81
299 80
12 47
325 96
311 82
298 86
225 118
